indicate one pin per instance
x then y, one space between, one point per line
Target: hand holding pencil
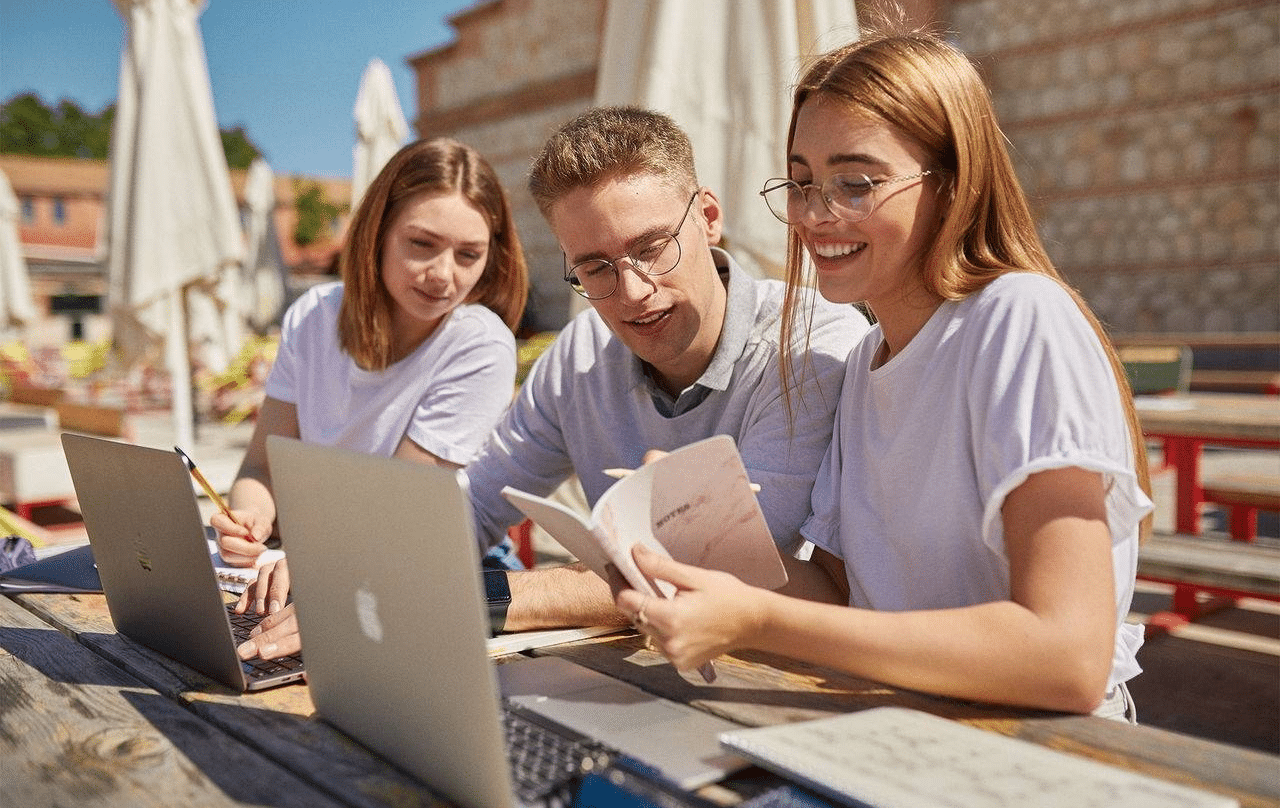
238 540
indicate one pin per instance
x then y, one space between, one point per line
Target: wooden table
1186 423
89 717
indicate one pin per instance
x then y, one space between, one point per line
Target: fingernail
273 607
267 651
246 650
255 631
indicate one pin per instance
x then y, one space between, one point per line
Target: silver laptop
385 566
148 539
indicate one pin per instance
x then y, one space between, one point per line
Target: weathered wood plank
759 689
1205 561
279 723
75 730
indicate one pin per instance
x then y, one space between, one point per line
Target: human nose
439 269
815 211
633 283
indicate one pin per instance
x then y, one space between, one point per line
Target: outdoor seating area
732 404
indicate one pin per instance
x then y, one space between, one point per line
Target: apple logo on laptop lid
367 612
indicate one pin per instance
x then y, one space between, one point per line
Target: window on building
59 211
28 210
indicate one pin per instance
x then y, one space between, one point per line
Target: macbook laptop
385 566
148 539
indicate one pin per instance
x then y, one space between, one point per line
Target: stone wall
517 70
1147 134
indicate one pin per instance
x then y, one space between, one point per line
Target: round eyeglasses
597 278
851 197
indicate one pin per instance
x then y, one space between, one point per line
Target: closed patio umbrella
381 128
263 282
724 70
16 306
173 223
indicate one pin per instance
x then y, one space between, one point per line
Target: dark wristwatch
497 594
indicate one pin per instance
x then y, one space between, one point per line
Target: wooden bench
40 396
1244 494
33 470
1236 381
1243 362
1222 568
94 419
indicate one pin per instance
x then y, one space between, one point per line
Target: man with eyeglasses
679 344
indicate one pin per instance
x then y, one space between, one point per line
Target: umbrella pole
179 362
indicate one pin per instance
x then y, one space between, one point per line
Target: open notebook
893 757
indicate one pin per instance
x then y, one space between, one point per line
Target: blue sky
286 70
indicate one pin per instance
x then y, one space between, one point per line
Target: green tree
239 150
314 213
29 126
26 126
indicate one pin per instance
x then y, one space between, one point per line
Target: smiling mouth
649 319
838 250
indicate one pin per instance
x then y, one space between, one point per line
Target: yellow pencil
208 489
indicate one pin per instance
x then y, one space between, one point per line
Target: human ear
712 214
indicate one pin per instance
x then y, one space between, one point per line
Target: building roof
72 176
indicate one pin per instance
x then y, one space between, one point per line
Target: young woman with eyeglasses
977 518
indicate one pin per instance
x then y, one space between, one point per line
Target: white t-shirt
1005 383
446 396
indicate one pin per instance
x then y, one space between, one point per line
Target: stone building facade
1147 134
516 71
62 227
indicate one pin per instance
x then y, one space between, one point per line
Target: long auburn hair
931 93
436 166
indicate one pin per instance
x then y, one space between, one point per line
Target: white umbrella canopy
174 228
16 305
724 70
263 280
381 128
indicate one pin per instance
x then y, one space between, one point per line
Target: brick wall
1147 134
516 71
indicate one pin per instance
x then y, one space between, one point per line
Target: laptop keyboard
546 759
241 625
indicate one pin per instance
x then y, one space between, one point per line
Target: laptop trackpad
680 741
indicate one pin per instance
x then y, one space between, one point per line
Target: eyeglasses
851 197
598 278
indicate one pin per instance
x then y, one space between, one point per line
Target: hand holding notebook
694 505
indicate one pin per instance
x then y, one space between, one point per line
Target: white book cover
694 504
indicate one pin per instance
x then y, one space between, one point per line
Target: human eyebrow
864 161
631 244
419 232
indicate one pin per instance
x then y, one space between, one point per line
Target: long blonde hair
438 166
930 93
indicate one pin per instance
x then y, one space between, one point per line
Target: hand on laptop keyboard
270 590
276 636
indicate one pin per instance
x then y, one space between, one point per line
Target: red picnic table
1187 423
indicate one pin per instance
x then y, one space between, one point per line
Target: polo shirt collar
739 318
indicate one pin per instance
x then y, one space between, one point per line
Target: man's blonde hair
607 142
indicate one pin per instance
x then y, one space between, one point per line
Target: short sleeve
1044 396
